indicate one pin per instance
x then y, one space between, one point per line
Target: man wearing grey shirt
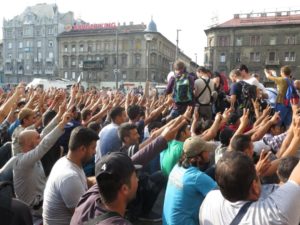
67 181
28 173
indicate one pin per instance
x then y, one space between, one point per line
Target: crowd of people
220 153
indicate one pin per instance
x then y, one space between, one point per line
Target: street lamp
177 37
149 37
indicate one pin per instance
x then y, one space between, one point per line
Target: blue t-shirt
236 89
185 192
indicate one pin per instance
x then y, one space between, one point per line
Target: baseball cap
195 145
115 166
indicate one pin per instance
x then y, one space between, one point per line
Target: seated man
188 185
67 181
107 200
239 199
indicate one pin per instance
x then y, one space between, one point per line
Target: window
289 57
9 45
66 75
50 55
138 44
66 48
290 39
39 55
105 60
81 48
39 44
20 55
223 41
66 62
124 75
239 41
255 40
73 75
27 67
9 56
20 44
137 59
73 48
50 30
255 56
89 48
273 40
137 74
238 57
223 57
73 63
28 44
8 34
124 60
106 46
38 32
272 56
50 44
210 42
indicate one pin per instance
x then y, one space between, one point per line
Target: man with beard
67 181
116 186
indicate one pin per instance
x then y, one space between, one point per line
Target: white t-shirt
281 207
66 184
254 81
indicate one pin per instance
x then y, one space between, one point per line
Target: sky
192 17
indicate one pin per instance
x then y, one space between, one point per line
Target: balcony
19 60
50 60
272 62
35 72
9 72
49 71
20 72
8 60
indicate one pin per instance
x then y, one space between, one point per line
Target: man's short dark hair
235 173
240 142
201 69
180 131
81 136
95 126
124 130
179 65
116 111
286 70
85 113
153 125
243 67
286 166
134 111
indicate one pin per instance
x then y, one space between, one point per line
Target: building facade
258 40
102 54
1 62
30 44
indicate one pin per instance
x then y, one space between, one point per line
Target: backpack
248 94
291 94
224 82
182 90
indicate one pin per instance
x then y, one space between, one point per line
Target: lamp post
177 37
117 60
149 37
196 58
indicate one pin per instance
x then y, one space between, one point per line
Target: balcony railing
272 62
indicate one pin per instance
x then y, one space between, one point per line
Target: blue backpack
291 93
182 90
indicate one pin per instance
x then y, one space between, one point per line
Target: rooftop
262 19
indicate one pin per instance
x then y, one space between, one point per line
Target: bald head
28 140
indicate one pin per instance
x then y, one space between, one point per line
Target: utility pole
177 37
117 60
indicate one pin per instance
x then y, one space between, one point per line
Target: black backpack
248 93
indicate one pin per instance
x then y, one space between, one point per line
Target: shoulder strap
241 214
101 218
206 82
